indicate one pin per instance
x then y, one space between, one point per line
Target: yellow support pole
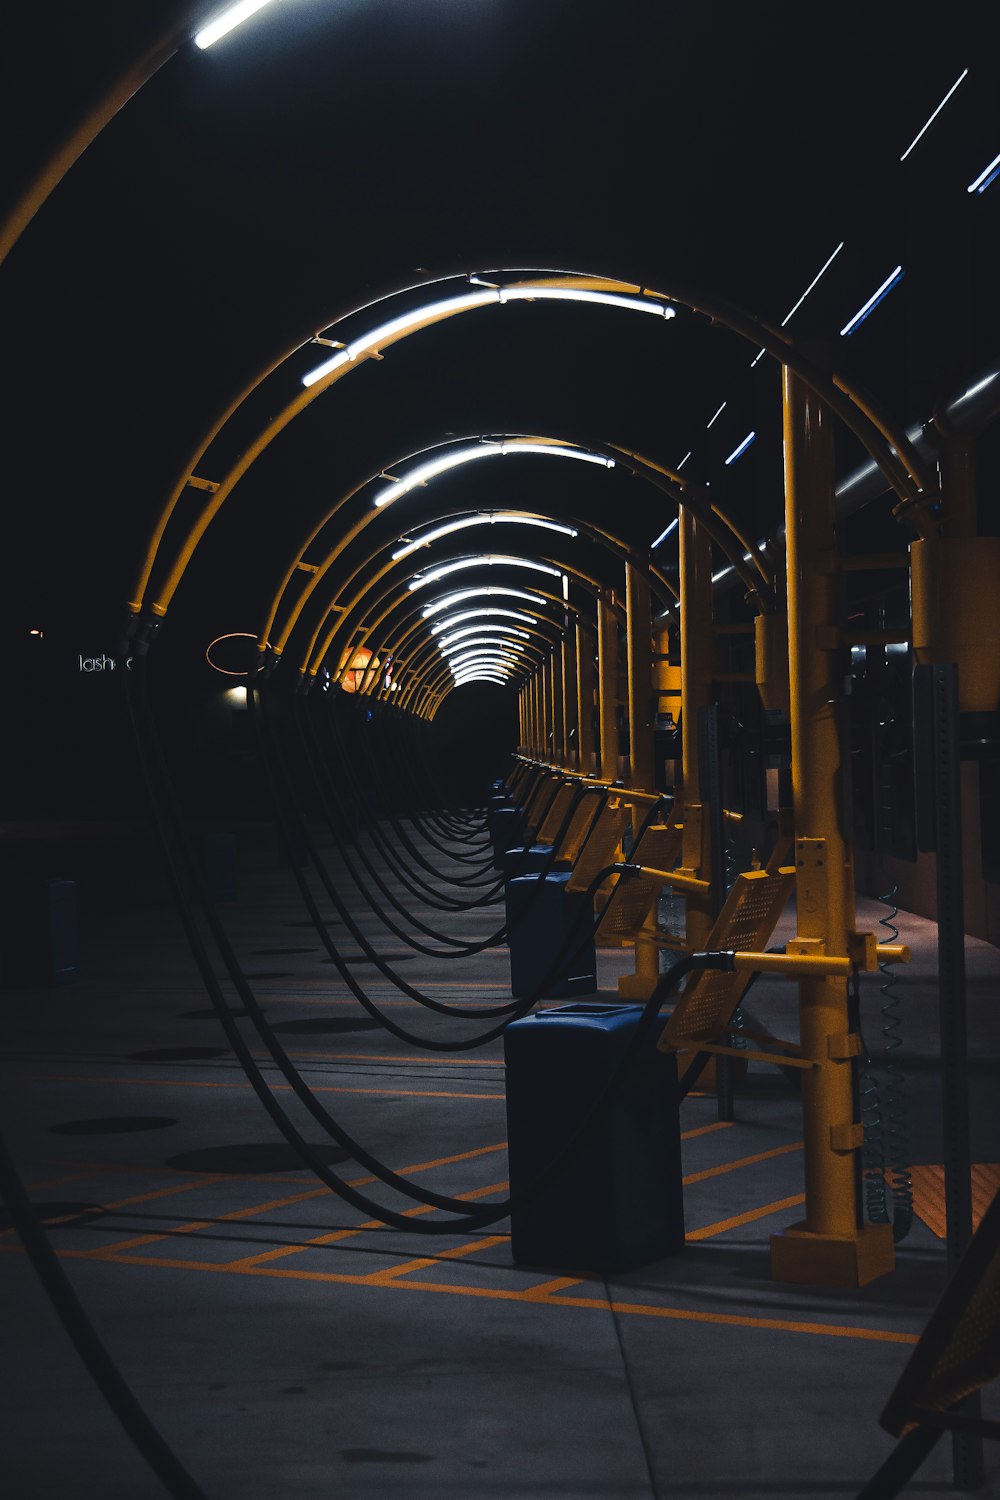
546 718
639 641
556 679
695 557
831 1246
569 701
585 701
639 630
607 670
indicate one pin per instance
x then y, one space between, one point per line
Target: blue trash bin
546 922
619 1203
507 828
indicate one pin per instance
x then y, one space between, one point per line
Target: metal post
936 738
695 576
710 780
831 1246
585 699
639 631
569 700
558 721
607 669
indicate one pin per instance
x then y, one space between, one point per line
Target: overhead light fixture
873 301
823 268
741 449
234 16
486 560
933 117
505 632
452 460
718 414
460 658
490 677
487 591
485 643
684 459
493 295
478 614
985 177
664 534
488 518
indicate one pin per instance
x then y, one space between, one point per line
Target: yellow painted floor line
375 1278
281 1252
689 1135
147 1197
246 1213
742 1161
464 1062
708 1230
282 1088
632 1309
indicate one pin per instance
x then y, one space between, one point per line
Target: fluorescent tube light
825 267
488 518
486 560
234 16
741 449
478 614
933 117
874 300
433 311
718 414
506 632
664 534
488 591
985 177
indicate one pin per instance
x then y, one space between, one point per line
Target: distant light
478 614
490 677
985 177
684 460
486 560
228 21
430 312
435 466
508 633
38 633
741 449
236 697
664 534
934 116
874 300
721 573
718 414
825 267
487 591
757 357
489 518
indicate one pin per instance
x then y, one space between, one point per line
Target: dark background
333 149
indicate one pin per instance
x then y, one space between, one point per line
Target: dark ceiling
332 149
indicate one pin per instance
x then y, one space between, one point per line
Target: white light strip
507 632
571 294
488 518
718 414
467 653
873 301
432 311
478 614
684 460
490 677
664 534
227 22
481 658
741 449
985 177
721 573
435 466
487 560
487 642
934 116
490 591
824 268
757 357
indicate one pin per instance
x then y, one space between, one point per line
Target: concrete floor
289 1350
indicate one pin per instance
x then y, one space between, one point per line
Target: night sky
333 150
